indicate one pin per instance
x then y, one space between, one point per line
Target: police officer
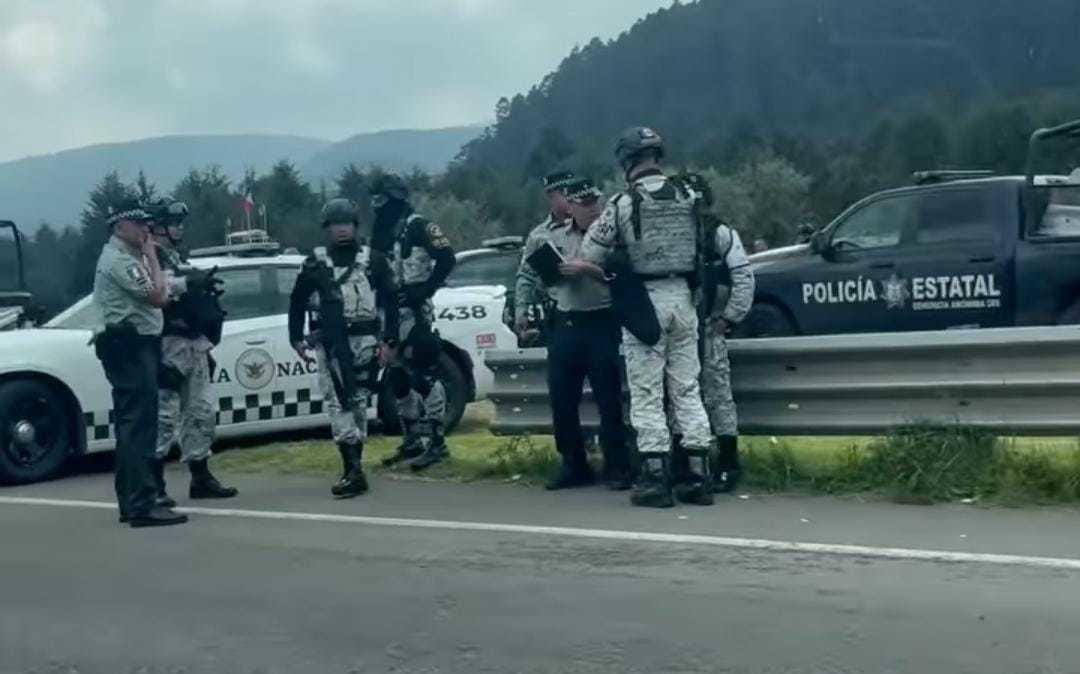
421 258
532 299
130 290
185 409
724 308
653 222
347 291
584 343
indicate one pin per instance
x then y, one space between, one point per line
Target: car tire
42 451
457 391
766 320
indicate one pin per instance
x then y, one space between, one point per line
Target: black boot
157 517
696 486
162 500
573 473
353 482
653 486
680 461
435 452
411 445
726 470
204 485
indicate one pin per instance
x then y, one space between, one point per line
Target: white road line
902 554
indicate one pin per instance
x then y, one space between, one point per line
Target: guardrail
1017 381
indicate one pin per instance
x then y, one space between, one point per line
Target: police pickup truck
957 250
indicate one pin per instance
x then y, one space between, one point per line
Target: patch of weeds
1039 475
926 464
520 457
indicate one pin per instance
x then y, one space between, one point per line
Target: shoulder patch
137 274
436 236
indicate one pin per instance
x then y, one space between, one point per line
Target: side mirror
817 243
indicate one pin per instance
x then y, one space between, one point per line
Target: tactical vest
350 286
412 264
663 238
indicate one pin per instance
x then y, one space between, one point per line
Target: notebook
546 260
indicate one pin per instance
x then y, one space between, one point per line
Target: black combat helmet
339 211
633 142
387 187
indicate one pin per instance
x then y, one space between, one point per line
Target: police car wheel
457 390
766 320
35 437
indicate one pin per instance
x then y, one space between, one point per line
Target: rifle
333 336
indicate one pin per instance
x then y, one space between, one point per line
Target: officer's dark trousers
586 344
131 366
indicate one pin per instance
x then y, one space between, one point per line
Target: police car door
253 382
955 264
855 286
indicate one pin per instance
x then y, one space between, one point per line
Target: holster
114 341
632 305
169 378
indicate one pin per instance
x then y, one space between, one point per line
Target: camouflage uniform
348 419
420 395
733 302
185 411
660 244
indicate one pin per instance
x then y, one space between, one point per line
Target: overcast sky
76 72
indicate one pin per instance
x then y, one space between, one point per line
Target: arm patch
435 236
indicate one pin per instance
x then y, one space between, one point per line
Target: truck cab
957 250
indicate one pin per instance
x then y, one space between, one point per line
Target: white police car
55 401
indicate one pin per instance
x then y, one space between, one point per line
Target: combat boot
653 486
411 446
162 499
204 485
696 486
726 470
353 482
680 461
156 517
436 452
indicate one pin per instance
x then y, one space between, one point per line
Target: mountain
809 79
403 150
53 188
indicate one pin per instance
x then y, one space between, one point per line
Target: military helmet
635 140
390 185
338 211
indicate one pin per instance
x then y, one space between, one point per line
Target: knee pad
425 351
422 383
399 382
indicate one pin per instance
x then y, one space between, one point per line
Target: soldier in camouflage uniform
186 413
654 223
347 291
421 258
734 296
532 299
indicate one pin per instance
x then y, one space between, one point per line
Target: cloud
86 71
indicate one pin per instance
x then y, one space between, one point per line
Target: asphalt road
431 577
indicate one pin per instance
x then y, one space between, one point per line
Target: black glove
199 281
414 295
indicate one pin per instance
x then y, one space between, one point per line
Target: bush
923 464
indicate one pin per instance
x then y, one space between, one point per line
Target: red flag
248 204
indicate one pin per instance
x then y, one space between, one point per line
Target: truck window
877 225
1062 216
955 216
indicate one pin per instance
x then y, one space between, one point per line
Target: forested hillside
853 94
